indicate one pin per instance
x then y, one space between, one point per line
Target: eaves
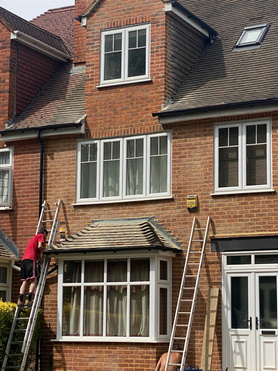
231 109
11 135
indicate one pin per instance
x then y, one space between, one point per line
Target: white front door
250 336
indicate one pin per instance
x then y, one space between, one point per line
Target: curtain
4 186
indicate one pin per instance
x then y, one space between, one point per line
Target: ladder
187 298
24 321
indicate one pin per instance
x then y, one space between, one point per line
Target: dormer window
125 55
252 35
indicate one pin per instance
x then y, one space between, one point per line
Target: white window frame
8 167
242 186
263 30
124 70
154 284
7 286
146 174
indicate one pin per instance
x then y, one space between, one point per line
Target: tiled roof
223 76
20 24
59 22
60 101
119 234
7 248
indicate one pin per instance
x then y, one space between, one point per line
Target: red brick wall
192 173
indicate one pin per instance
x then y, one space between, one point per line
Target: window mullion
128 299
105 300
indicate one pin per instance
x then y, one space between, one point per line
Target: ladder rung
14 355
191 275
197 240
181 325
188 288
49 211
184 312
17 342
199 229
174 364
47 220
180 338
186 299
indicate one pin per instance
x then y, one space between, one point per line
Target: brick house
158 101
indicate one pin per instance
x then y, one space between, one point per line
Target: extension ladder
24 321
188 294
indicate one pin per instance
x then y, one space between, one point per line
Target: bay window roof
118 234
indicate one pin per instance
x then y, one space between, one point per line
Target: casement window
125 55
6 174
5 282
243 157
115 298
124 168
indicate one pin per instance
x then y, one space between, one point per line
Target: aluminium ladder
24 321
188 294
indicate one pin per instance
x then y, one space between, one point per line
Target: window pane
139 310
266 259
233 136
261 133
72 271
109 43
117 270
163 270
140 270
223 137
163 312
5 158
239 296
113 66
134 167
3 295
88 186
251 134
158 164
256 165
4 186
116 310
71 311
237 260
268 302
251 36
137 53
93 311
228 167
94 271
111 169
137 62
3 275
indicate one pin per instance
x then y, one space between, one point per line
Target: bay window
125 298
124 168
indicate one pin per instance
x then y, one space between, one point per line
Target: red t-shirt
32 251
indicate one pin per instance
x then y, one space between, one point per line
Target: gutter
40 46
9 135
231 109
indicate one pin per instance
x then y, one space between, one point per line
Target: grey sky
30 9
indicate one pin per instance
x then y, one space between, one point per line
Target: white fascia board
37 45
215 114
169 8
31 134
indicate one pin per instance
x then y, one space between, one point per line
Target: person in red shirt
28 272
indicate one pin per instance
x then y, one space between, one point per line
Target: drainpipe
41 170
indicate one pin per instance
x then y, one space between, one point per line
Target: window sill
104 202
105 340
227 193
4 208
107 85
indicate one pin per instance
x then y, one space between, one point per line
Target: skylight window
252 35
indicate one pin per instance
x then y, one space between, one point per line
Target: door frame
244 268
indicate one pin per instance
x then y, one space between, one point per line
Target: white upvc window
125 55
6 177
252 35
119 298
242 157
5 282
130 168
